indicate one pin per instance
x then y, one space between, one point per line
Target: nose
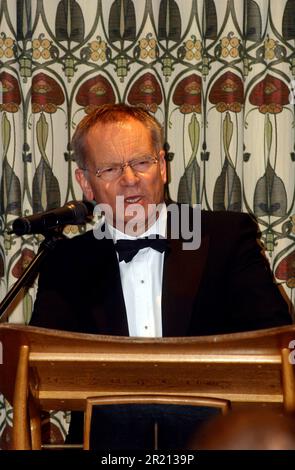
129 177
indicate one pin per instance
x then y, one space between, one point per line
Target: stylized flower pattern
11 98
148 47
230 46
146 92
269 45
270 95
188 93
286 270
98 50
193 49
95 92
6 48
41 48
227 93
1 266
47 94
71 229
24 260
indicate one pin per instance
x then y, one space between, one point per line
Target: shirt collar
158 228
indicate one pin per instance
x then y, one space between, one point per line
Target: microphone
74 213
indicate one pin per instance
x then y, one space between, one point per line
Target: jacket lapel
182 275
110 311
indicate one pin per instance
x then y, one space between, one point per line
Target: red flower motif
95 92
227 93
146 92
11 93
47 94
286 270
1 266
187 94
25 258
270 94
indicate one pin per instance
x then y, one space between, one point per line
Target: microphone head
20 226
81 211
72 213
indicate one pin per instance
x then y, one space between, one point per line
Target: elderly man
138 279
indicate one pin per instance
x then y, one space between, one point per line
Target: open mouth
132 200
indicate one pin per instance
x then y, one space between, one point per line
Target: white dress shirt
141 280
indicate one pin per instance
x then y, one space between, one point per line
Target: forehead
118 141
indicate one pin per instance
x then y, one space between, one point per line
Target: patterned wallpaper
219 75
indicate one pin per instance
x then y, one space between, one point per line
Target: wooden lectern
48 369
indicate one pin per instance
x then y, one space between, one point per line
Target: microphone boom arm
51 238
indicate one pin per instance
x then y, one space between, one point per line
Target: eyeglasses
115 171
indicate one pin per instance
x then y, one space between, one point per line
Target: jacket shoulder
228 221
79 246
228 216
214 217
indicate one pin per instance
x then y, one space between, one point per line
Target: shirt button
145 327
142 281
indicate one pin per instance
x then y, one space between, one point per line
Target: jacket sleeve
54 306
254 297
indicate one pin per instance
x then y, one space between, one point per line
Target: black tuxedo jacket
224 286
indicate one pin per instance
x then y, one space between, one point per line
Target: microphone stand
48 244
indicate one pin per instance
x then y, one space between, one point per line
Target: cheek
106 195
154 189
98 195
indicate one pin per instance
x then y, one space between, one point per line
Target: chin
135 227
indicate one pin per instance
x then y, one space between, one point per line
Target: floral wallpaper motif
95 92
188 94
270 95
146 92
218 74
11 98
227 93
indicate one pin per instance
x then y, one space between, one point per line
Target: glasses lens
142 165
109 174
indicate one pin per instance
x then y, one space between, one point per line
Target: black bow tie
127 249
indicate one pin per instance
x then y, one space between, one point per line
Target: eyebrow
131 159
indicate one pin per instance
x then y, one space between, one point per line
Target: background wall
218 75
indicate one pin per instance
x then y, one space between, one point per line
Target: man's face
115 144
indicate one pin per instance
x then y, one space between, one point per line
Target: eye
109 170
140 165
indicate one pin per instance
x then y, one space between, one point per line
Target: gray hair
113 113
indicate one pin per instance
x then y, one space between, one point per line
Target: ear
84 184
162 163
